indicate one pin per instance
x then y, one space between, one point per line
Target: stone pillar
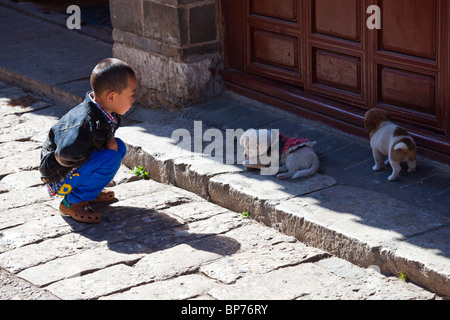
174 47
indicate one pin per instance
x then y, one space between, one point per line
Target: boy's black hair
110 74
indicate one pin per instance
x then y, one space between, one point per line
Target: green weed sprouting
140 172
402 276
246 215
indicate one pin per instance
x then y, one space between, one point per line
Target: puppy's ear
373 118
369 126
244 138
385 116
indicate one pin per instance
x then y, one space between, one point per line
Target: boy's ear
110 96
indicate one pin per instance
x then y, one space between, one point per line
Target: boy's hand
112 144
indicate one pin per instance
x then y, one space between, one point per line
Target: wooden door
318 58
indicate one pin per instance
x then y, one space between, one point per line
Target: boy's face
122 102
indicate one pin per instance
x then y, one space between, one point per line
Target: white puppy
388 139
295 156
257 144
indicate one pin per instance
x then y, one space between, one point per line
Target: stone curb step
48 91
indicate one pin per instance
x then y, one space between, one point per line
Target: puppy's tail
306 172
404 145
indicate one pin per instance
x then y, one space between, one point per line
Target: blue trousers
91 178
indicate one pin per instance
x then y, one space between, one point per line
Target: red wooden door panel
284 9
410 27
337 18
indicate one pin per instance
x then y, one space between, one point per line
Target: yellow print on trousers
67 188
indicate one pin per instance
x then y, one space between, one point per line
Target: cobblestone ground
156 242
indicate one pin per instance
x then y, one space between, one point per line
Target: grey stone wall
173 45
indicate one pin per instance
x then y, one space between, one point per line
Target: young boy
81 156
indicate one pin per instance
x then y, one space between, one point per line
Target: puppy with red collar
295 156
388 139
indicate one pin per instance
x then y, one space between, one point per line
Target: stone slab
11 19
254 235
75 265
39 225
25 161
22 32
22 180
14 101
260 260
318 281
249 191
13 288
13 148
209 230
180 288
70 45
23 214
44 251
96 284
193 173
195 211
259 119
157 266
227 113
137 188
284 284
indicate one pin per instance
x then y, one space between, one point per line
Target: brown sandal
81 212
105 196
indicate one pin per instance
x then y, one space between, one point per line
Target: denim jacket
71 140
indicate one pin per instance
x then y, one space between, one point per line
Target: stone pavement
157 241
41 54
346 211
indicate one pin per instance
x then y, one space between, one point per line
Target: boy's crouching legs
89 181
107 195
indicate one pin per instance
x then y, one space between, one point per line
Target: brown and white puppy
388 139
